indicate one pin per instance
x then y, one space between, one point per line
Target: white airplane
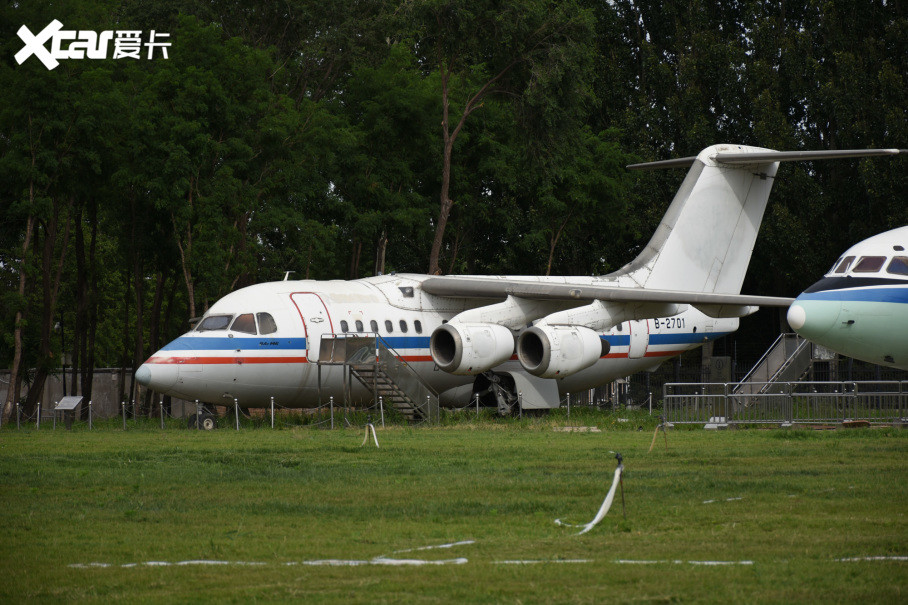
497 336
860 307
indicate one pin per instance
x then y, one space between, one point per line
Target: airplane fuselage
219 365
860 308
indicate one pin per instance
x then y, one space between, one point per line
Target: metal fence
786 402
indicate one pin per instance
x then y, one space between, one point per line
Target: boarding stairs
383 372
382 385
787 360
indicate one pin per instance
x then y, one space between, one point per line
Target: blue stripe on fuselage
223 343
681 338
884 295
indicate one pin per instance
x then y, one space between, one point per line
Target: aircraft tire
209 422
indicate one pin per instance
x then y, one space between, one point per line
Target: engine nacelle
470 349
559 351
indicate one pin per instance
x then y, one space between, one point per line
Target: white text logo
86 44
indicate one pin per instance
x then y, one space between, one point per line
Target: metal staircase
377 380
787 360
385 375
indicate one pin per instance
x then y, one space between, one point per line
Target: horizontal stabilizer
770 156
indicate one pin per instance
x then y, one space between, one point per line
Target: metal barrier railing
793 402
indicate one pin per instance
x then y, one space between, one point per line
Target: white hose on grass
603 510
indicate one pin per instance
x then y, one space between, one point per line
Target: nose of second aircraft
813 319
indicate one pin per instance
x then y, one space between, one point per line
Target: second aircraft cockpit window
898 266
869 264
845 264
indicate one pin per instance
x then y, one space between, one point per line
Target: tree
489 49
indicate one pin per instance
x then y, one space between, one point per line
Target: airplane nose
812 318
143 375
797 317
157 377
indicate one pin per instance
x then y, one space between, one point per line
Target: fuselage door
315 318
639 339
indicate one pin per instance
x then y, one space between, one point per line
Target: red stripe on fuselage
225 360
648 354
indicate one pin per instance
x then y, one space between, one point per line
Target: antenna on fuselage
287 275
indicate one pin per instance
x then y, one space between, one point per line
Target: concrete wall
105 392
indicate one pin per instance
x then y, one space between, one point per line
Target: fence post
650 403
123 408
520 404
38 419
569 406
272 412
331 404
198 416
901 400
477 405
161 411
236 412
56 403
790 405
381 407
89 415
18 416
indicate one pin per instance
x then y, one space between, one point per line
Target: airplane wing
495 287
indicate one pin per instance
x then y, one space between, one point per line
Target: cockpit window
266 323
869 264
843 266
214 322
244 323
898 266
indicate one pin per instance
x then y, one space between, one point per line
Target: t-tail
706 238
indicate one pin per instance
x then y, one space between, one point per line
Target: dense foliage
337 139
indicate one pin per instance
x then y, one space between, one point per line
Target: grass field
310 515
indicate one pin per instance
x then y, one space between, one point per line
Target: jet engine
558 351
469 349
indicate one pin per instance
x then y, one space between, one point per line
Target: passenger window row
389 326
871 264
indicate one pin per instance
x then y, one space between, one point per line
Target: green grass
790 501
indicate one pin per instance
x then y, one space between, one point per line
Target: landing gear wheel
209 422
206 421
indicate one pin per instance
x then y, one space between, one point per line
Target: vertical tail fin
707 236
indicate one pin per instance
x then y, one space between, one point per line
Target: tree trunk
88 345
51 289
15 380
380 253
450 136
